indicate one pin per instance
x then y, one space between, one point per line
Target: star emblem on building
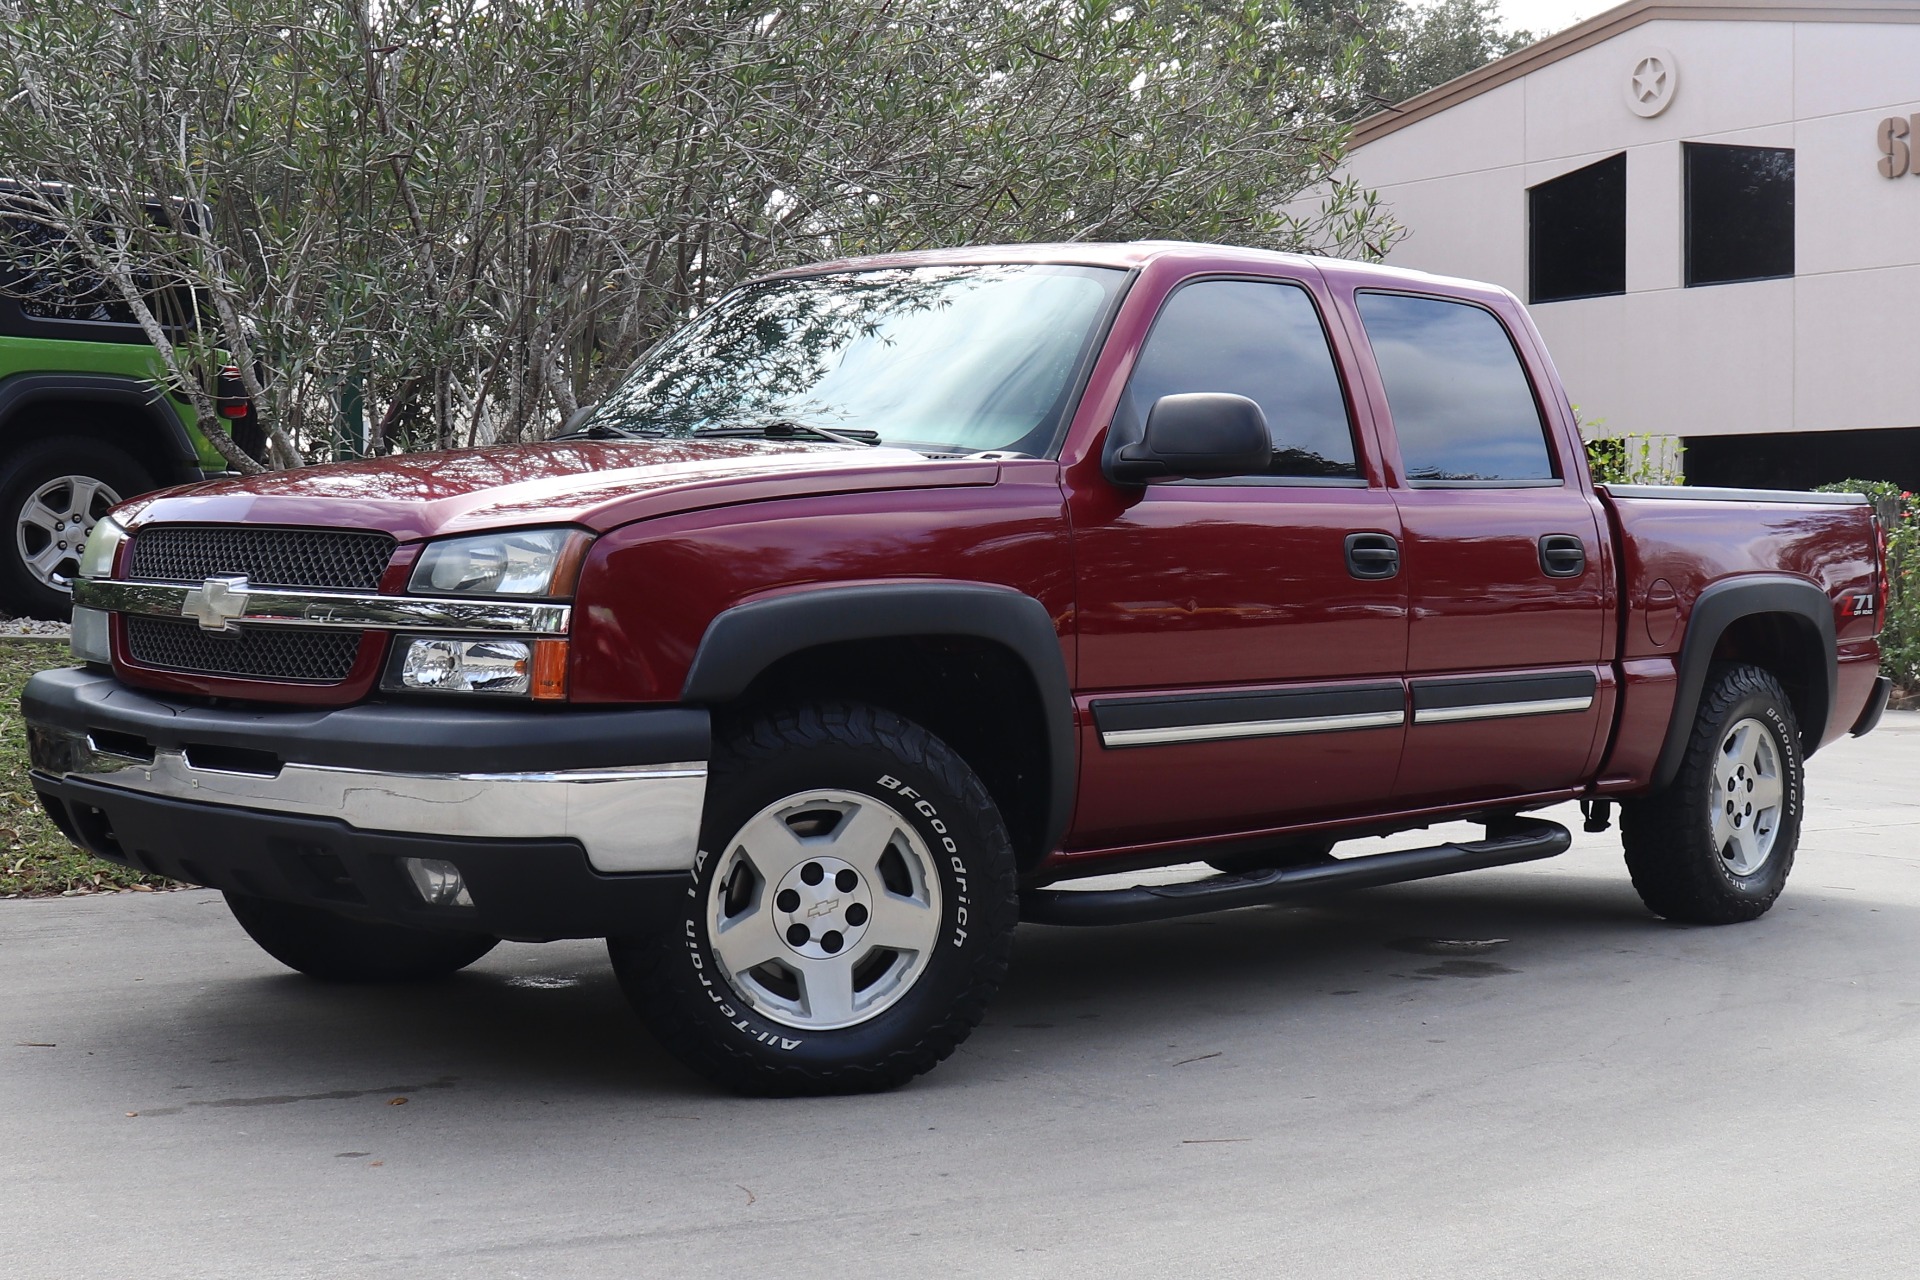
1649 79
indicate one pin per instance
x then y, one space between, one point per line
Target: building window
1739 213
1577 233
1460 400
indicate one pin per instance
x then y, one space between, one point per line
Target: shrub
1900 619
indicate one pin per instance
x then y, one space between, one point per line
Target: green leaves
471 215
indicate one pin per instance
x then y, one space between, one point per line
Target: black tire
333 948
710 1021
1682 869
23 473
1292 853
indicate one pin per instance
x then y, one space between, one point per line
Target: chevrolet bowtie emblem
216 602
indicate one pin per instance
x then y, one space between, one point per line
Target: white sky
1544 17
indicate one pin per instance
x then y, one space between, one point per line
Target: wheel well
975 695
122 426
1788 646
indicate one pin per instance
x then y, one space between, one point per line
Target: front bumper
555 818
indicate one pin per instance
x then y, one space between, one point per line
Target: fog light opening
439 882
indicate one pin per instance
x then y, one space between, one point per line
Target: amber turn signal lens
549 670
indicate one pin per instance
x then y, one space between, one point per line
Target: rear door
1508 590
1235 673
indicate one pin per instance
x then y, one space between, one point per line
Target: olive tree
464 218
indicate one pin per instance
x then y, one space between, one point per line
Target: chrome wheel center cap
822 907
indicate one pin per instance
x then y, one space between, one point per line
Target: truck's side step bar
1512 840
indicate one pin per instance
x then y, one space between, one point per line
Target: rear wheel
333 948
1716 845
851 913
51 494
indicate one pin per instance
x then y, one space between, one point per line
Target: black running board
1517 840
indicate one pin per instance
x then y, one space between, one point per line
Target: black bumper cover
402 737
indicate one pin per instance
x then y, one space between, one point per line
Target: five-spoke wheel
1715 845
53 492
1747 786
53 523
851 913
825 909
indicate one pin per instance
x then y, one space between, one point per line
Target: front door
1239 665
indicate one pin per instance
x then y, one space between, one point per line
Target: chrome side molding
1168 735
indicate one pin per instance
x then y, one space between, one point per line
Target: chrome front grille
328 559
261 653
269 558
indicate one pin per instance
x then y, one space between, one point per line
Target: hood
594 483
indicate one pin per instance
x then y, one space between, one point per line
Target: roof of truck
1127 255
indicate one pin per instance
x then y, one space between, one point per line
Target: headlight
520 562
88 640
103 544
511 668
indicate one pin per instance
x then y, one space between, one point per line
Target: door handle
1372 555
1562 555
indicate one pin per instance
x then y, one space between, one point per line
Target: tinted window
1739 213
1255 339
1460 401
1577 233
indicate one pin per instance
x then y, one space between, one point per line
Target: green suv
85 424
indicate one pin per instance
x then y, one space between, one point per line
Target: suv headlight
518 562
89 640
103 544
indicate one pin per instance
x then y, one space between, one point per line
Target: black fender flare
747 639
24 390
1716 609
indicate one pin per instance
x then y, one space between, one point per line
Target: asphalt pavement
1515 1072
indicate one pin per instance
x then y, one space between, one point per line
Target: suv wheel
333 948
850 915
1716 845
51 493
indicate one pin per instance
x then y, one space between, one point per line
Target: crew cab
893 596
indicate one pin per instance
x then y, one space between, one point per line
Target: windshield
943 359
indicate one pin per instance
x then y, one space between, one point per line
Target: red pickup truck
890 596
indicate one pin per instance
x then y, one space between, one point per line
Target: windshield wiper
600 431
787 428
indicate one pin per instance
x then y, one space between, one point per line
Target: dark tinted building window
1255 339
1461 403
1258 340
1739 213
1577 233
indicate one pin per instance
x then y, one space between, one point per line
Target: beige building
1713 209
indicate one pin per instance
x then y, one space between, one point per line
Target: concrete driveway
1333 1091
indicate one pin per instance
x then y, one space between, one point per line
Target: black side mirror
577 419
1199 435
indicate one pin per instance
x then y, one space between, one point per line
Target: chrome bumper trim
632 818
261 607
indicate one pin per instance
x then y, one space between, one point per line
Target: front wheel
1716 845
850 915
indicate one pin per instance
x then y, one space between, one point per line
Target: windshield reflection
945 359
